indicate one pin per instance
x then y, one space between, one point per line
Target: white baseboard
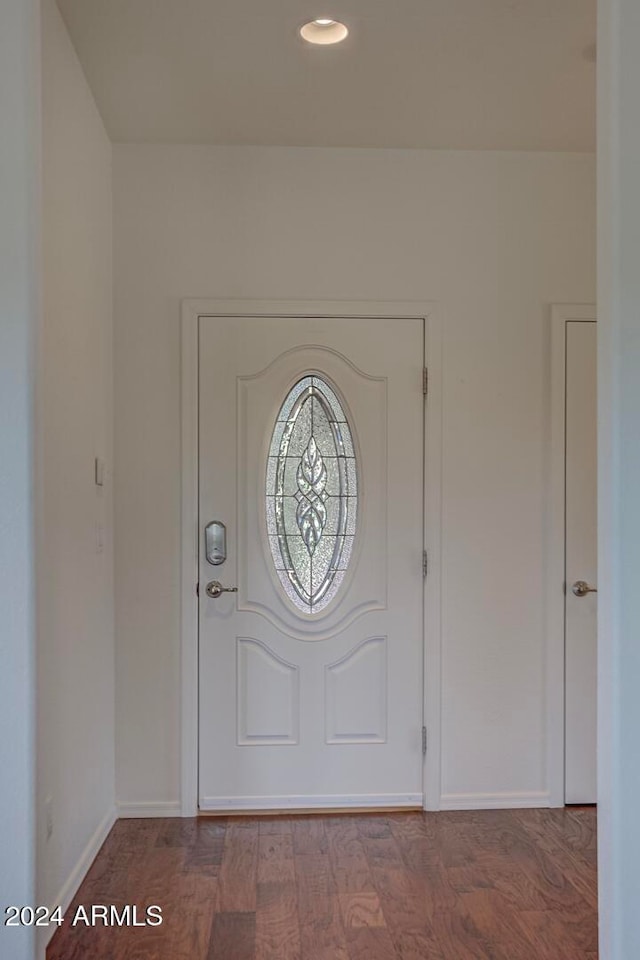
493 801
77 875
128 811
313 802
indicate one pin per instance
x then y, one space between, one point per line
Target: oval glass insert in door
311 494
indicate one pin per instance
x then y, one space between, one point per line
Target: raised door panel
356 694
267 696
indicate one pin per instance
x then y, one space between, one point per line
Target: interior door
581 563
311 435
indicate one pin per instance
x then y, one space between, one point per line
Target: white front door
581 563
311 454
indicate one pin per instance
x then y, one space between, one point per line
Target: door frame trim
192 310
561 314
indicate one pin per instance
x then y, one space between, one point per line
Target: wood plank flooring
488 885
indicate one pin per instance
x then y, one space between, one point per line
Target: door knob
214 589
581 588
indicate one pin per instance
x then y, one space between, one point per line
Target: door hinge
425 380
425 563
197 589
424 740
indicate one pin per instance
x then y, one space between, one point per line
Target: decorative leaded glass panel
312 494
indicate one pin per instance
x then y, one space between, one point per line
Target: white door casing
572 649
324 709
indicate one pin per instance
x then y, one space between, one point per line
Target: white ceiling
470 74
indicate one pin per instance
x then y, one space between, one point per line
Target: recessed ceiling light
324 31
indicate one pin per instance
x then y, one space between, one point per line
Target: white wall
75 591
495 238
619 477
19 290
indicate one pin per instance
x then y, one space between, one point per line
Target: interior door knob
581 588
214 589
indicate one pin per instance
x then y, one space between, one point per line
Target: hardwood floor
489 885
